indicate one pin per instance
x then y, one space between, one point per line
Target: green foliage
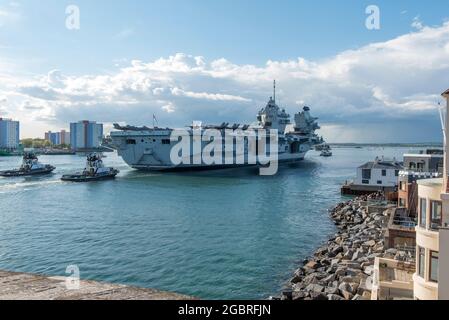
35 143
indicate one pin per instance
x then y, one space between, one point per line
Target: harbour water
228 234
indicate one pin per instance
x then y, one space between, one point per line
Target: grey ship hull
192 168
147 153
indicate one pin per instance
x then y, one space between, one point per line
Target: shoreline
342 268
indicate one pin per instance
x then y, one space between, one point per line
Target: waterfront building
431 280
85 135
58 138
425 164
9 134
378 175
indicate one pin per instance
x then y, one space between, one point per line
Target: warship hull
192 168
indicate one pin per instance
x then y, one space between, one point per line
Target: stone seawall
342 269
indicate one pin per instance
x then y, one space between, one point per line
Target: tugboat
94 171
326 151
30 167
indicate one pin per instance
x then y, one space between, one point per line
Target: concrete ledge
24 286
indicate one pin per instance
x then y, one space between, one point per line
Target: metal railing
410 252
404 222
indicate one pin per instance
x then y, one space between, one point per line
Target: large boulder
331 290
318 296
312 265
370 243
315 288
357 255
347 295
344 286
334 297
300 295
368 270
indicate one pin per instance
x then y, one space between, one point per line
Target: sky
215 60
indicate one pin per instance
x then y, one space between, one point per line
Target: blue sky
45 61
243 31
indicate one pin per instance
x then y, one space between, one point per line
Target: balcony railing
401 219
421 173
404 222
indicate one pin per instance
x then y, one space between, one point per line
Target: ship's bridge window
130 141
165 141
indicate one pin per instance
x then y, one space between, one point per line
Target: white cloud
395 80
169 108
207 96
9 14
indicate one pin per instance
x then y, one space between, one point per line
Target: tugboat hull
20 173
87 178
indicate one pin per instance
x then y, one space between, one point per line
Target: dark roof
445 93
382 165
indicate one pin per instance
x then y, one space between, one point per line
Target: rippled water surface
227 234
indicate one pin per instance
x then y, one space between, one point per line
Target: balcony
393 280
401 229
401 219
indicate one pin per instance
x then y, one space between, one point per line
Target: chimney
446 144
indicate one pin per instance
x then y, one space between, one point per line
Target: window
423 213
433 266
366 174
384 173
365 181
396 173
421 262
435 210
379 182
165 141
130 141
402 202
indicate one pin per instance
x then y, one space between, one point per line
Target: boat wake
26 185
